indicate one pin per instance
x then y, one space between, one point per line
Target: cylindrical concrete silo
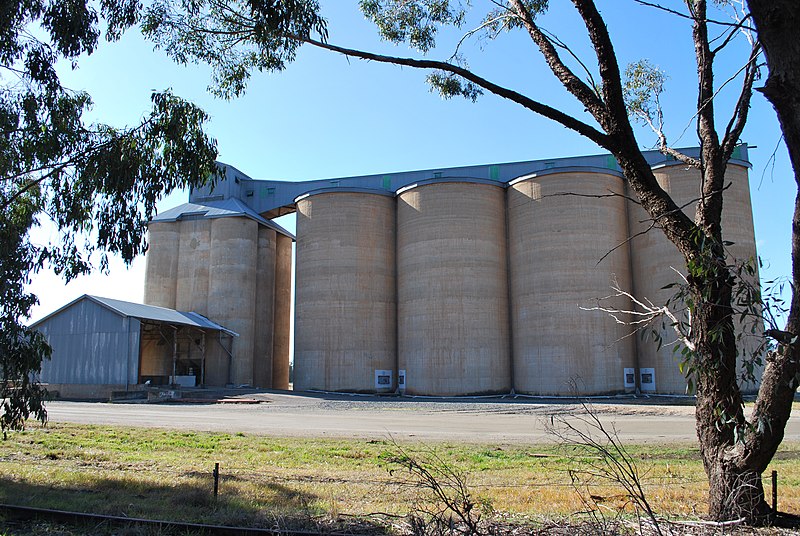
160 286
560 226
737 227
345 292
283 312
265 308
161 272
453 330
232 296
656 260
193 259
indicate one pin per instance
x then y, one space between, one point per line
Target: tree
238 37
96 184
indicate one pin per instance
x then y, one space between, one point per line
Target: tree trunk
733 494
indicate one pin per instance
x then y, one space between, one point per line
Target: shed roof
146 312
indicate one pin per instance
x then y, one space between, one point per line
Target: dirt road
472 421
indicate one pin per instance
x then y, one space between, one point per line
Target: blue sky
327 116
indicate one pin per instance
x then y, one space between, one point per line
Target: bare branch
647 314
738 25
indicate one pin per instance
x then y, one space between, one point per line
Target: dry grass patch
167 475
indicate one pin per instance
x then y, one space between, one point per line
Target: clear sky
327 116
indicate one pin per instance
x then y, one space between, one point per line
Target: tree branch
553 114
736 125
570 81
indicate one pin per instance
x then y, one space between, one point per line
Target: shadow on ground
278 507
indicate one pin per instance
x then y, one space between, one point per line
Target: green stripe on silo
737 152
494 173
387 182
611 162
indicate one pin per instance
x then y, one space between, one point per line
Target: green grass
167 475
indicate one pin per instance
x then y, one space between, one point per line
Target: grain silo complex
459 281
443 282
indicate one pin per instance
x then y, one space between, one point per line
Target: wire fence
216 471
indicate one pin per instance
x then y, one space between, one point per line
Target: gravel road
485 420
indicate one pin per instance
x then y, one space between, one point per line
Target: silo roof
223 208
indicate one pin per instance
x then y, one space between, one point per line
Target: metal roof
223 208
147 312
271 198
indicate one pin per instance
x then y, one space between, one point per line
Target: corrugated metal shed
159 314
97 341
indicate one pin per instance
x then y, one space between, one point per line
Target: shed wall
91 345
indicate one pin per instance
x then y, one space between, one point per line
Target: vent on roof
192 216
249 193
210 198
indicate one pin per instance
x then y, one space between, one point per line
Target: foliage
233 37
644 84
753 307
94 183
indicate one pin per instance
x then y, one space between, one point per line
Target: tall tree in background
95 184
239 36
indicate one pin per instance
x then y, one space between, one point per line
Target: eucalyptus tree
95 184
238 37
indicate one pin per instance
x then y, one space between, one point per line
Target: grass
167 475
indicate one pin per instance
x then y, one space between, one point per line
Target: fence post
774 491
216 479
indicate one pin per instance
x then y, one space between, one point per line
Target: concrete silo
560 225
453 331
345 292
193 259
161 271
265 307
283 312
657 263
160 289
232 297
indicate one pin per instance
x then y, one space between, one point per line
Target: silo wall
265 307
193 262
160 289
737 227
453 330
345 291
232 297
161 270
565 230
283 312
656 260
